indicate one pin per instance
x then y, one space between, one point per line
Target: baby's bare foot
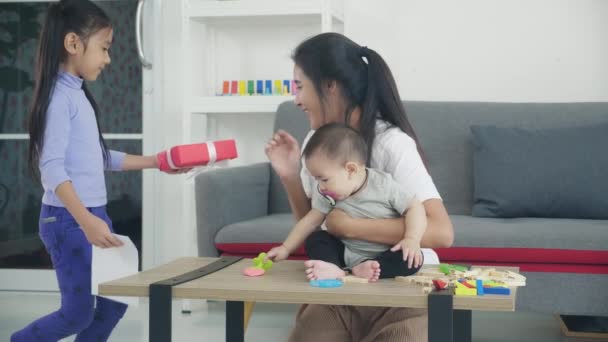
369 269
319 270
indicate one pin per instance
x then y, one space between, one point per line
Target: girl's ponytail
49 56
104 147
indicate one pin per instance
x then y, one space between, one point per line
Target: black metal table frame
445 323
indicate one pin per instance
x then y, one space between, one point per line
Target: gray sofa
249 210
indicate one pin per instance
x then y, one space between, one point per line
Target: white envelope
114 263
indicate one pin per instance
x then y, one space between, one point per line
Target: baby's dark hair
337 142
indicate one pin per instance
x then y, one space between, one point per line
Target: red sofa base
527 259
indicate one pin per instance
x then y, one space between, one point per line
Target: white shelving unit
203 9
235 104
241 40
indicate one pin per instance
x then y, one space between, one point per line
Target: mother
339 81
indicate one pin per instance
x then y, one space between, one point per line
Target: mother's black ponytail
382 98
365 79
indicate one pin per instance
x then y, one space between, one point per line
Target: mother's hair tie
364 51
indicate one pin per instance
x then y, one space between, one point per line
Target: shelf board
236 104
205 9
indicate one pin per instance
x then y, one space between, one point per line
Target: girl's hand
160 162
278 253
98 233
411 251
283 151
337 221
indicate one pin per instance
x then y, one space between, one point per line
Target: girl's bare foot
319 270
369 269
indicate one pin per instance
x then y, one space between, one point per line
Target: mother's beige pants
335 323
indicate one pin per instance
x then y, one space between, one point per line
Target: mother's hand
283 151
339 223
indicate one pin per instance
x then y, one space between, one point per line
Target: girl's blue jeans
92 318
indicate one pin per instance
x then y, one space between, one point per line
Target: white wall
489 50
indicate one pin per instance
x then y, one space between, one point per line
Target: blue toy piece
497 290
480 288
326 283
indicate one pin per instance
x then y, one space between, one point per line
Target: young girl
341 81
336 157
67 147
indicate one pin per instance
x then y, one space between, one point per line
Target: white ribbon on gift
210 150
210 165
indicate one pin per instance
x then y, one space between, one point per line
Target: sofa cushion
249 238
271 228
533 244
477 240
574 234
558 172
443 129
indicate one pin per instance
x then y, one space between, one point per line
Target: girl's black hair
367 83
83 18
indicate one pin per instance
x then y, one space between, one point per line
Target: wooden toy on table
465 281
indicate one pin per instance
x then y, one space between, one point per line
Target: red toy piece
440 284
188 156
463 282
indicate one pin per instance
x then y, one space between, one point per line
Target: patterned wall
118 93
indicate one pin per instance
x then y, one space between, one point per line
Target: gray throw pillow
560 172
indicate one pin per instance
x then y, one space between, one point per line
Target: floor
270 322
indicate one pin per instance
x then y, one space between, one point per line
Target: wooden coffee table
449 316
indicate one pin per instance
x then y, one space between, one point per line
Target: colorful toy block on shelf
258 87
193 155
260 266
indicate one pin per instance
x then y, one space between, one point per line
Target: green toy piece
260 263
447 268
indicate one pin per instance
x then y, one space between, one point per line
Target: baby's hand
411 251
278 253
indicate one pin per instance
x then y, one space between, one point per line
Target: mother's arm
299 203
439 232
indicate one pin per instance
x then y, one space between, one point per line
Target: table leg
160 313
441 317
235 321
248 311
462 325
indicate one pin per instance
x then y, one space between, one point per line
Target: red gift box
188 156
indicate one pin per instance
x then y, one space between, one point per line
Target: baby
336 156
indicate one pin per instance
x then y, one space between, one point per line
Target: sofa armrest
228 195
